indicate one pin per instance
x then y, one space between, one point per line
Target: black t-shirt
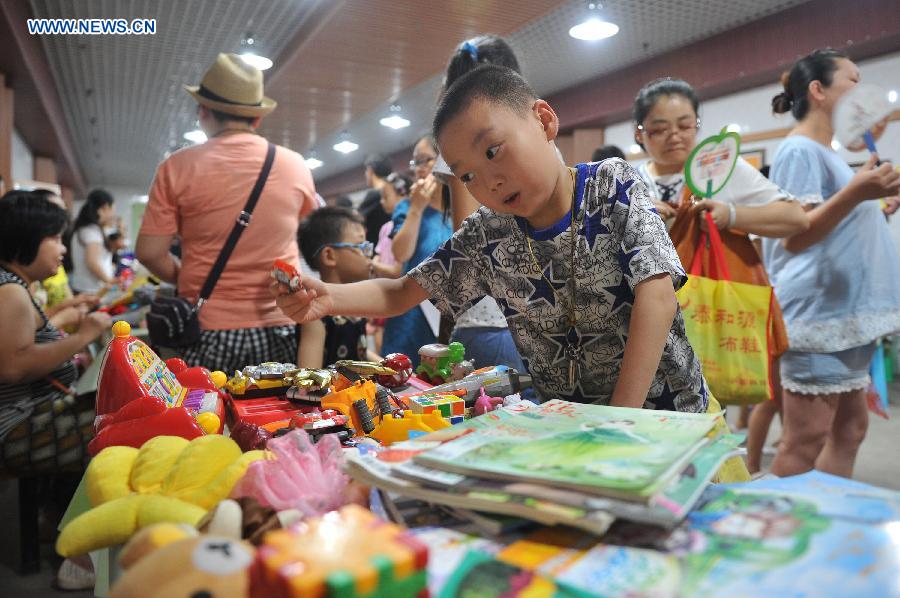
345 338
374 214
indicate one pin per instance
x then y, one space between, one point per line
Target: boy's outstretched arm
377 298
651 318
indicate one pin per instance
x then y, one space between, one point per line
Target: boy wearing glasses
333 242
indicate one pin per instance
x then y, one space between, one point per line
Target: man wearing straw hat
197 194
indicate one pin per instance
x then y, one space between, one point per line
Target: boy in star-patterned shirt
577 259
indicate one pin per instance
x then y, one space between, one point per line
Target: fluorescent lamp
892 96
195 136
345 147
313 163
255 60
394 122
594 29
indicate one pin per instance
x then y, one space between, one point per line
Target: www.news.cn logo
92 26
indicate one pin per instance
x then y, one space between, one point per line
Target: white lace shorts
827 373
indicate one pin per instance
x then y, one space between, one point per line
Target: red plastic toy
139 396
286 274
401 364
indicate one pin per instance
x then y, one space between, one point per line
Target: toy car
287 275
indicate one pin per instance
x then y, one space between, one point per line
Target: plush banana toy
168 480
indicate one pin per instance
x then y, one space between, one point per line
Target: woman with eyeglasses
666 123
421 226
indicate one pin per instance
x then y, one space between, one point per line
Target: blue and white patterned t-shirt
620 241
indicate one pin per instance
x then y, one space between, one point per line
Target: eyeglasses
666 130
421 161
367 248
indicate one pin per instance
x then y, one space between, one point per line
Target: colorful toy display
139 396
349 553
441 363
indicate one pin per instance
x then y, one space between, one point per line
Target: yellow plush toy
167 480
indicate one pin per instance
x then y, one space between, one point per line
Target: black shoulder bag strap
243 220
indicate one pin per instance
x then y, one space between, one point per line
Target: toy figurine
485 404
287 275
442 363
402 367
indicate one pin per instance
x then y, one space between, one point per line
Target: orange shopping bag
728 325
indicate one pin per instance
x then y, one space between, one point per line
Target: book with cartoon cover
610 451
808 535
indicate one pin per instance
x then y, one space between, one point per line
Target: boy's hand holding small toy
301 300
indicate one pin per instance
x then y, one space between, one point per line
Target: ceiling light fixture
345 146
394 121
594 27
734 128
249 54
892 96
634 148
312 162
835 144
195 136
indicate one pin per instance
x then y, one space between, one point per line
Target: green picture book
667 508
629 454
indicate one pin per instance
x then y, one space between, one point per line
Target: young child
578 260
333 242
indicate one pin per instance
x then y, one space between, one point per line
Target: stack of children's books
809 535
559 463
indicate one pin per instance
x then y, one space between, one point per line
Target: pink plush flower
299 475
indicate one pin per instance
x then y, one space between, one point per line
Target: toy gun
498 381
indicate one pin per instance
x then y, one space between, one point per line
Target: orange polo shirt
197 194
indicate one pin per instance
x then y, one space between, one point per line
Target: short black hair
324 226
26 219
496 84
380 165
607 151
343 201
223 117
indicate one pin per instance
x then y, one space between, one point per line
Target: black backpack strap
243 220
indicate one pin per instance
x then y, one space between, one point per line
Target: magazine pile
559 463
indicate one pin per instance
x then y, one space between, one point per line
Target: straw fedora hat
234 87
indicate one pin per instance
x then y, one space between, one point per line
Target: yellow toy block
391 430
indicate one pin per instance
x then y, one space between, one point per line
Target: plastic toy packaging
302 476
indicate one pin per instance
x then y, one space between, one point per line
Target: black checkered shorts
230 350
